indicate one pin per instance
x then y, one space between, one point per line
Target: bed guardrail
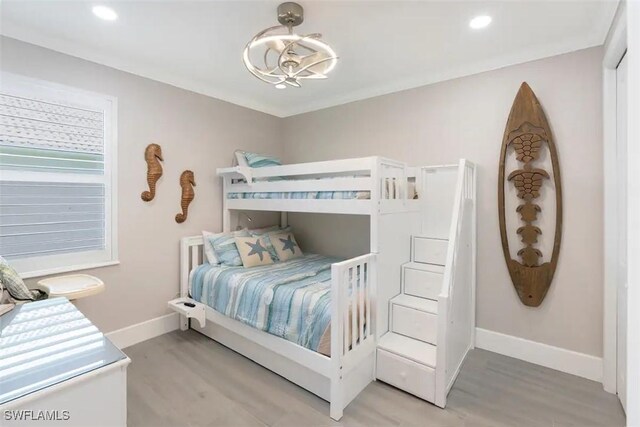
379 181
353 290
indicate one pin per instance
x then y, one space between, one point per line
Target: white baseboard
560 359
143 331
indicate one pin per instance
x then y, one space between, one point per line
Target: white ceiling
384 46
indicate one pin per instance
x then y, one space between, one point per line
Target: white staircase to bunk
432 320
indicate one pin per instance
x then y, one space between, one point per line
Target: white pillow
209 252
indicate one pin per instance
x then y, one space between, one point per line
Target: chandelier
279 57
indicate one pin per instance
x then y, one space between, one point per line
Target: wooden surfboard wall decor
526 135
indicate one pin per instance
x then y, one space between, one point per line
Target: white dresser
57 368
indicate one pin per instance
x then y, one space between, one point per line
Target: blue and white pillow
266 233
209 252
255 160
224 245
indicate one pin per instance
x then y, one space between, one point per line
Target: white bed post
184 278
375 204
284 219
336 391
226 214
373 292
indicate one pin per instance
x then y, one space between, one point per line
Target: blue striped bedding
302 195
288 299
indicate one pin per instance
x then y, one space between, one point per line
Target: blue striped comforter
302 195
288 299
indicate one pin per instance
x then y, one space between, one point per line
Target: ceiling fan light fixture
279 57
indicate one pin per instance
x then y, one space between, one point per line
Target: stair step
409 348
432 268
422 280
421 304
429 251
424 236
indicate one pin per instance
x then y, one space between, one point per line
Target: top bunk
361 186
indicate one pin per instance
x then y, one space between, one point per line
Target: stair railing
456 301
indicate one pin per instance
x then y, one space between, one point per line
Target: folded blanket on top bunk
290 299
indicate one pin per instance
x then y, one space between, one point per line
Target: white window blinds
56 147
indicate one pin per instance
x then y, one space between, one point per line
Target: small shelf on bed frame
198 312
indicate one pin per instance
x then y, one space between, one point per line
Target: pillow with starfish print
253 251
285 245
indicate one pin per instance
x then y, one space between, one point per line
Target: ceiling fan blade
317 68
293 83
316 63
276 45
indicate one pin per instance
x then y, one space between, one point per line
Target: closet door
621 179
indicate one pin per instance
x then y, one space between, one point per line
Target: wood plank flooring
186 379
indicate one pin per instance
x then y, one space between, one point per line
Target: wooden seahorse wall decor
187 182
527 133
153 157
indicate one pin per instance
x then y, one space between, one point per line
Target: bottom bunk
308 320
290 299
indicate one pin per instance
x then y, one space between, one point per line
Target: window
57 177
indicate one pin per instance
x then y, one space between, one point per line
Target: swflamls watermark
31 415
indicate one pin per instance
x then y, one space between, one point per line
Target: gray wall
443 122
196 132
429 125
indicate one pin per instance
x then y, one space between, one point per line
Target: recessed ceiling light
104 12
281 86
481 21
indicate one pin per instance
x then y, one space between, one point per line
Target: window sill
66 269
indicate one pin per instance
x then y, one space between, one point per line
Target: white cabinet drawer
423 284
429 251
407 375
414 323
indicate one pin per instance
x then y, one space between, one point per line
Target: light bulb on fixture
481 21
288 58
105 13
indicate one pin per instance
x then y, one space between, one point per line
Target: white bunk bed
383 189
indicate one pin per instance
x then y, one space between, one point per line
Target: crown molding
601 29
12 30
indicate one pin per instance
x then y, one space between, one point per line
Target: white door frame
633 215
625 34
615 49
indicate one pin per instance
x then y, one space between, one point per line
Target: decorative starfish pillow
266 233
253 251
285 245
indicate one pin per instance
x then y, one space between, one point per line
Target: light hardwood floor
186 379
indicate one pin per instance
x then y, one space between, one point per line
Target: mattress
290 299
302 195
